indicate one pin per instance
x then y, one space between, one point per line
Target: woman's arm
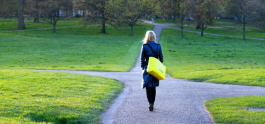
142 57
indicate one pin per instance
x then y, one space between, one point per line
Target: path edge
208 112
107 117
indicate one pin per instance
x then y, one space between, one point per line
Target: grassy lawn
52 97
72 48
232 110
214 59
258 33
11 23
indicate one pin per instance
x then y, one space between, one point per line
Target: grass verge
52 97
232 110
75 48
214 59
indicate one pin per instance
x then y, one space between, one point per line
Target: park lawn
72 48
214 59
256 33
233 110
11 24
54 97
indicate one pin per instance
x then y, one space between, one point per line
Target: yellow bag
156 68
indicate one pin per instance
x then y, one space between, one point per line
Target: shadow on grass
58 116
198 79
49 117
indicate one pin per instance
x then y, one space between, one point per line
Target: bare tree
128 11
97 11
238 8
182 10
53 7
203 12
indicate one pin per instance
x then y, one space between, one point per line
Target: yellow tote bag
156 68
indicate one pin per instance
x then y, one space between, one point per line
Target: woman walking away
150 49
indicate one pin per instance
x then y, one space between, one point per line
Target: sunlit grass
77 48
214 59
52 97
233 110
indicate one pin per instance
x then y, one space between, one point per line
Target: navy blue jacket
149 80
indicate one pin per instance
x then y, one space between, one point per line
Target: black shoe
151 108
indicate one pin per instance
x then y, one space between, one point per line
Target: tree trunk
103 22
182 31
36 12
198 25
169 17
54 24
36 17
238 20
21 23
83 12
182 27
131 29
244 28
202 28
174 19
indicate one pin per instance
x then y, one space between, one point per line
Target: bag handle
153 50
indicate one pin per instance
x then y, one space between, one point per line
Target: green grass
12 25
214 59
76 48
257 33
52 97
232 110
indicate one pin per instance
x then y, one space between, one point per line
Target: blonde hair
149 36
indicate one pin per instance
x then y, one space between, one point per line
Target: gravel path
177 101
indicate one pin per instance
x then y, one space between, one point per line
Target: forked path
177 101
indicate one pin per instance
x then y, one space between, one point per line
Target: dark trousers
151 95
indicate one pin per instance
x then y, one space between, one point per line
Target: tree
36 11
204 11
168 7
128 11
53 7
21 23
238 8
8 8
182 10
79 5
234 8
97 10
256 13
